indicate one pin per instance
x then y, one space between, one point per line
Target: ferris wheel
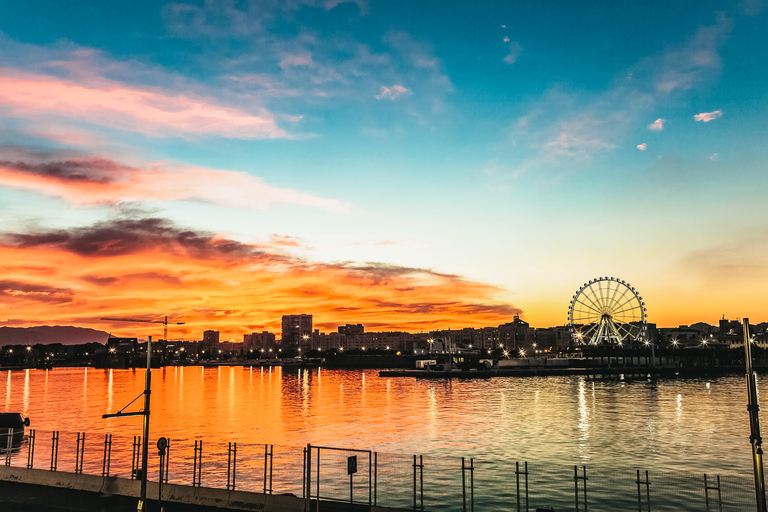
607 310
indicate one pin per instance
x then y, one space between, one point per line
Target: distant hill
64 334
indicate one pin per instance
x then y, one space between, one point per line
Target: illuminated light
29 349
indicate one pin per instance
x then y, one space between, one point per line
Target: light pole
145 429
754 423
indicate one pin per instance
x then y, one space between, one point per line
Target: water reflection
675 424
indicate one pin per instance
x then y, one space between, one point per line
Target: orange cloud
152 112
94 180
148 266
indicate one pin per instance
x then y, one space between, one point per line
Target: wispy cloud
392 93
566 123
95 180
514 52
642 147
708 116
682 67
150 111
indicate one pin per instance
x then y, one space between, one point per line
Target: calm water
692 425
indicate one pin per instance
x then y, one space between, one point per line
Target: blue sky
526 146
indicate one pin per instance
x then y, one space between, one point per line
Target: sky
404 165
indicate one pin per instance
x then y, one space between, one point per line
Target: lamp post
145 429
754 423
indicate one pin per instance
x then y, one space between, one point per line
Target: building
259 340
210 341
295 328
516 335
352 329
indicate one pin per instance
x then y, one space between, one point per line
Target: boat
12 429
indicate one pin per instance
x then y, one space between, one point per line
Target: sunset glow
402 167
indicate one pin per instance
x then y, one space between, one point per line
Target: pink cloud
99 180
708 116
114 104
391 93
657 125
642 147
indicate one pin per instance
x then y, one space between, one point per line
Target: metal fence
366 478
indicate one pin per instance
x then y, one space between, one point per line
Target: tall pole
145 433
754 423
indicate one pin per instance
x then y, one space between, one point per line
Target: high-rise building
295 328
210 340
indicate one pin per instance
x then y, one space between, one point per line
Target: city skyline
404 166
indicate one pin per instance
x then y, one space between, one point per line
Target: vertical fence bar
231 466
706 492
79 454
414 482
197 464
576 479
708 488
517 480
303 478
268 456
370 480
317 494
463 487
9 447
31 450
54 450
472 485
135 457
105 461
375 477
647 484
167 458
308 477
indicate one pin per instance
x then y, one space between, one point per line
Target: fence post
9 447
375 477
197 464
268 453
135 457
576 479
31 450
647 484
231 466
708 488
79 453
54 450
517 480
107 455
420 467
308 477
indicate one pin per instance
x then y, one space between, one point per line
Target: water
693 425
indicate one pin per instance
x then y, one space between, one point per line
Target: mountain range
46 334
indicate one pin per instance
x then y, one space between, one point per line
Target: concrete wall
182 494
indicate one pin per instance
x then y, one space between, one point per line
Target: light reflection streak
679 408
85 386
8 391
583 421
110 390
25 404
432 411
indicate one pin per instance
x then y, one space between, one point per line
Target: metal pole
754 423
145 430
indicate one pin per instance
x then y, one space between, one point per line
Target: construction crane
143 320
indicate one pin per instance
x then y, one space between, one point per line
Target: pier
87 472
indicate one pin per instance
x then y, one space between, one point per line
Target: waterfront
690 425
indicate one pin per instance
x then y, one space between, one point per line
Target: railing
365 478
